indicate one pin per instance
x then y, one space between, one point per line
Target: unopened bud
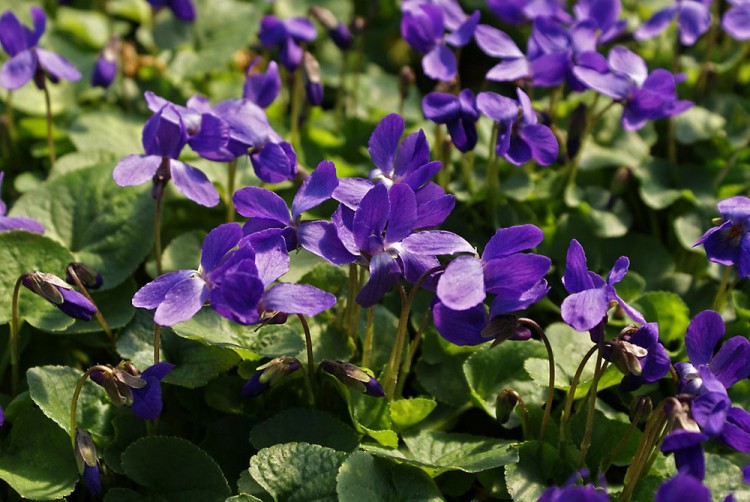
268 374
87 461
313 82
88 276
505 403
353 376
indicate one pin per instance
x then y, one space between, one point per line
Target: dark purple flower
516 279
603 15
693 20
572 491
585 309
234 281
182 9
60 294
423 25
274 162
28 61
269 374
645 96
729 242
87 461
639 355
683 487
520 137
353 376
396 162
262 88
8 223
686 445
522 11
287 35
128 386
105 68
459 113
267 210
736 20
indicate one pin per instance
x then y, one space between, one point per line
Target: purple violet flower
683 487
8 223
313 80
604 15
516 279
234 281
287 35
262 88
164 137
523 11
459 113
693 20
267 210
572 491
520 138
87 461
645 96
128 386
585 309
182 9
60 294
268 374
396 162
639 355
729 242
353 376
338 31
28 61
423 25
736 20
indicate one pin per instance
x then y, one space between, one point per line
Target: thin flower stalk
99 317
601 366
551 384
568 407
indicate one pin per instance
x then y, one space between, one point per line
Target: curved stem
601 365
565 418
467 170
308 344
231 175
76 394
157 343
296 91
14 337
413 346
99 317
551 384
157 232
50 141
652 435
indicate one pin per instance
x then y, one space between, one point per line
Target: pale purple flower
8 223
729 242
693 20
287 34
736 20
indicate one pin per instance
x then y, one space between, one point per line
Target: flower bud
88 277
505 403
105 68
268 374
87 461
337 30
60 294
313 82
353 376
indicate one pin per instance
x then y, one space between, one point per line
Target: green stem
652 434
551 384
525 416
493 177
310 361
591 119
231 175
700 87
443 174
413 346
157 343
565 418
9 114
601 365
369 337
341 91
99 317
14 337
607 462
157 231
724 288
297 92
467 170
50 141
74 402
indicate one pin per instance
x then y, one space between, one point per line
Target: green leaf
106 131
86 26
672 314
173 469
319 428
538 464
39 462
22 252
297 471
182 253
439 452
79 160
491 370
196 363
568 347
51 388
107 227
607 433
697 124
723 477
406 413
364 478
209 327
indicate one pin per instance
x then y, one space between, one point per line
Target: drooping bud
353 376
268 374
625 356
505 403
337 30
87 461
119 382
60 294
88 276
679 412
313 81
105 68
